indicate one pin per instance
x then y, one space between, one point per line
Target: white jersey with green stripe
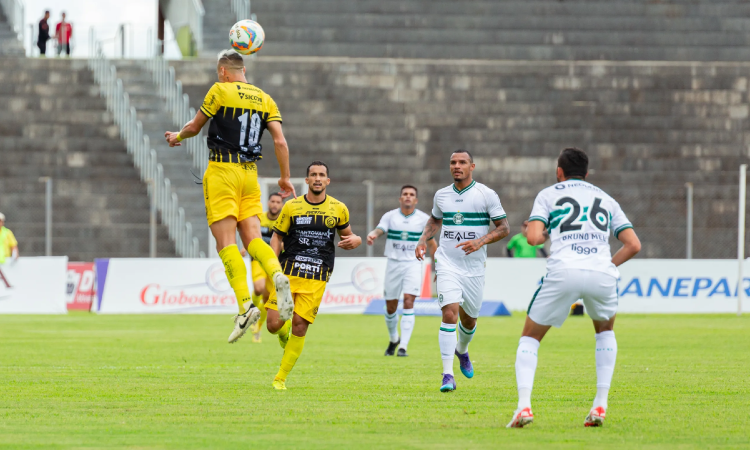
466 215
403 232
579 218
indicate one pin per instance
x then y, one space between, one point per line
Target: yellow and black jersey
240 113
266 227
309 230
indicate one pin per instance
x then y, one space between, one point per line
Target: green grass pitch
172 382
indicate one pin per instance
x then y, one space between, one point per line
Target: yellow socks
291 353
258 301
284 330
264 254
234 266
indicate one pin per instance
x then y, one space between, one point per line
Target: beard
318 192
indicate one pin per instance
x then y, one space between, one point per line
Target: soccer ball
246 37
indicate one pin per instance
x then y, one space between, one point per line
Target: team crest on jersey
404 235
458 218
330 222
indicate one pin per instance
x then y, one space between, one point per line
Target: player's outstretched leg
264 254
526 359
391 322
236 273
462 349
407 327
447 341
606 355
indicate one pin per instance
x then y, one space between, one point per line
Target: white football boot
596 417
284 301
244 322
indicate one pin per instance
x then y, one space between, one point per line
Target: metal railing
144 157
195 22
14 12
178 106
241 9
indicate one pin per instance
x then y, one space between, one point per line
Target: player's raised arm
430 230
502 229
190 129
282 155
631 245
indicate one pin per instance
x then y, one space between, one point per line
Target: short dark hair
574 162
230 60
274 194
409 186
460 150
319 163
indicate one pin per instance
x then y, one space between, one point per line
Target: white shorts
466 291
402 277
561 288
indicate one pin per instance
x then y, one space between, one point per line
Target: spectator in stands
63 33
518 246
8 243
43 35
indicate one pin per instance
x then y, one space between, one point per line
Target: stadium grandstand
657 93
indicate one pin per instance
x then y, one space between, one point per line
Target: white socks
391 321
526 358
407 325
464 337
606 355
447 340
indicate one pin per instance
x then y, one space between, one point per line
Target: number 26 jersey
240 113
579 217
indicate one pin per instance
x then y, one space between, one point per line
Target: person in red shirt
63 33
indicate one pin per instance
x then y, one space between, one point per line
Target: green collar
402 213
473 182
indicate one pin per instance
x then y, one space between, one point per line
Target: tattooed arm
501 230
429 232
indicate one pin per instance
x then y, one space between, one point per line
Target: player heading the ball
465 210
403 273
579 218
239 113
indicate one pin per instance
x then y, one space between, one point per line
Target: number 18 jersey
579 217
240 113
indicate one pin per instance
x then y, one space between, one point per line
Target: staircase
54 124
648 127
665 30
9 43
151 111
217 22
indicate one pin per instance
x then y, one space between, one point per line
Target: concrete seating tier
54 124
648 127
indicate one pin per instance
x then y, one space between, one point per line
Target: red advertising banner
80 290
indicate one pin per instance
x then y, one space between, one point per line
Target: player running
403 273
260 292
579 217
465 210
306 230
240 113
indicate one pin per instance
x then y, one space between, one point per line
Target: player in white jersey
579 217
403 274
465 210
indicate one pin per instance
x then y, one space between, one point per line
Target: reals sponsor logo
155 295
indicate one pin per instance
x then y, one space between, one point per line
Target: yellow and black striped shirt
309 230
240 113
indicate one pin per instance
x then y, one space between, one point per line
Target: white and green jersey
403 233
579 217
466 215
